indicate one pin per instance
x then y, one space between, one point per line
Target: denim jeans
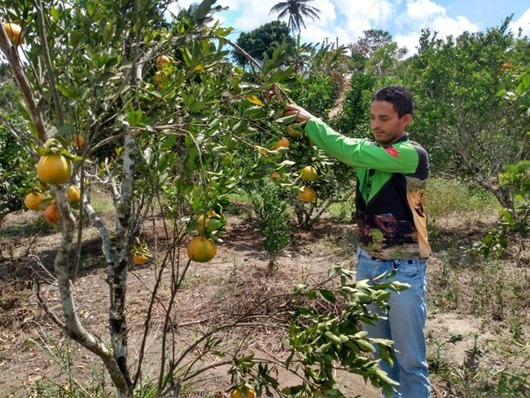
404 323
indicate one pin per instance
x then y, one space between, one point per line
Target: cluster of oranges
308 173
55 169
506 67
161 75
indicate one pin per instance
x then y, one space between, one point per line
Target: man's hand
303 115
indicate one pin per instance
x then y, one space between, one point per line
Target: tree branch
13 59
49 66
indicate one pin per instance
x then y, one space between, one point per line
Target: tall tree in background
297 11
261 42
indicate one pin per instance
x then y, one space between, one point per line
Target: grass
445 197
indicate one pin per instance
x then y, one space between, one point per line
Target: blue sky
346 20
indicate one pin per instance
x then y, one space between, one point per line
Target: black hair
398 96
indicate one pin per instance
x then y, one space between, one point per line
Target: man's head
390 113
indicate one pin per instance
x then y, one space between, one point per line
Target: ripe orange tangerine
238 393
309 173
201 249
283 143
33 200
160 78
79 140
13 32
293 133
51 213
140 259
308 195
276 176
162 60
54 169
73 194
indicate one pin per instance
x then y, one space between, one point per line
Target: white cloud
522 23
410 41
423 10
254 14
446 26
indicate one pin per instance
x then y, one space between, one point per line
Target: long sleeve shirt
390 190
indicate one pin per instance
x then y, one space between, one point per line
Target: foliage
325 338
517 179
376 53
270 207
316 93
323 335
455 81
263 40
15 171
352 120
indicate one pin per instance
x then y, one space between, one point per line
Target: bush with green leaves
271 209
316 93
15 166
323 335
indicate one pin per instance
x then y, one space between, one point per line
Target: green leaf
203 9
287 119
327 295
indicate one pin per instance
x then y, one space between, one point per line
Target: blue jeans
404 323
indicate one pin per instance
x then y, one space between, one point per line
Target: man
391 175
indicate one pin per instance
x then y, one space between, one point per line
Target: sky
344 21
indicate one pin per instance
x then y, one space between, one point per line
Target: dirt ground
236 276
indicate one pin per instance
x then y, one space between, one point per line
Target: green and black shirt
390 188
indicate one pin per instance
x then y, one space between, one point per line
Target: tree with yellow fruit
165 146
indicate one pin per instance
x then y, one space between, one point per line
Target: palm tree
297 10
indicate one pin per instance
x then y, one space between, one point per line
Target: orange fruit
308 195
506 66
309 173
293 133
51 213
79 140
201 249
276 176
238 393
283 143
13 32
162 60
33 200
201 222
140 259
160 78
73 194
54 169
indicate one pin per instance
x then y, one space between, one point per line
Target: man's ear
406 119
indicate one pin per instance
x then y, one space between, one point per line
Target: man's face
386 125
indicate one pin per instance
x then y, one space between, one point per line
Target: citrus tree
15 171
470 132
514 177
147 106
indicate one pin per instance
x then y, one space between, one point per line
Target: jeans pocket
409 268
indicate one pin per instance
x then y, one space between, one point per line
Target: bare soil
234 280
